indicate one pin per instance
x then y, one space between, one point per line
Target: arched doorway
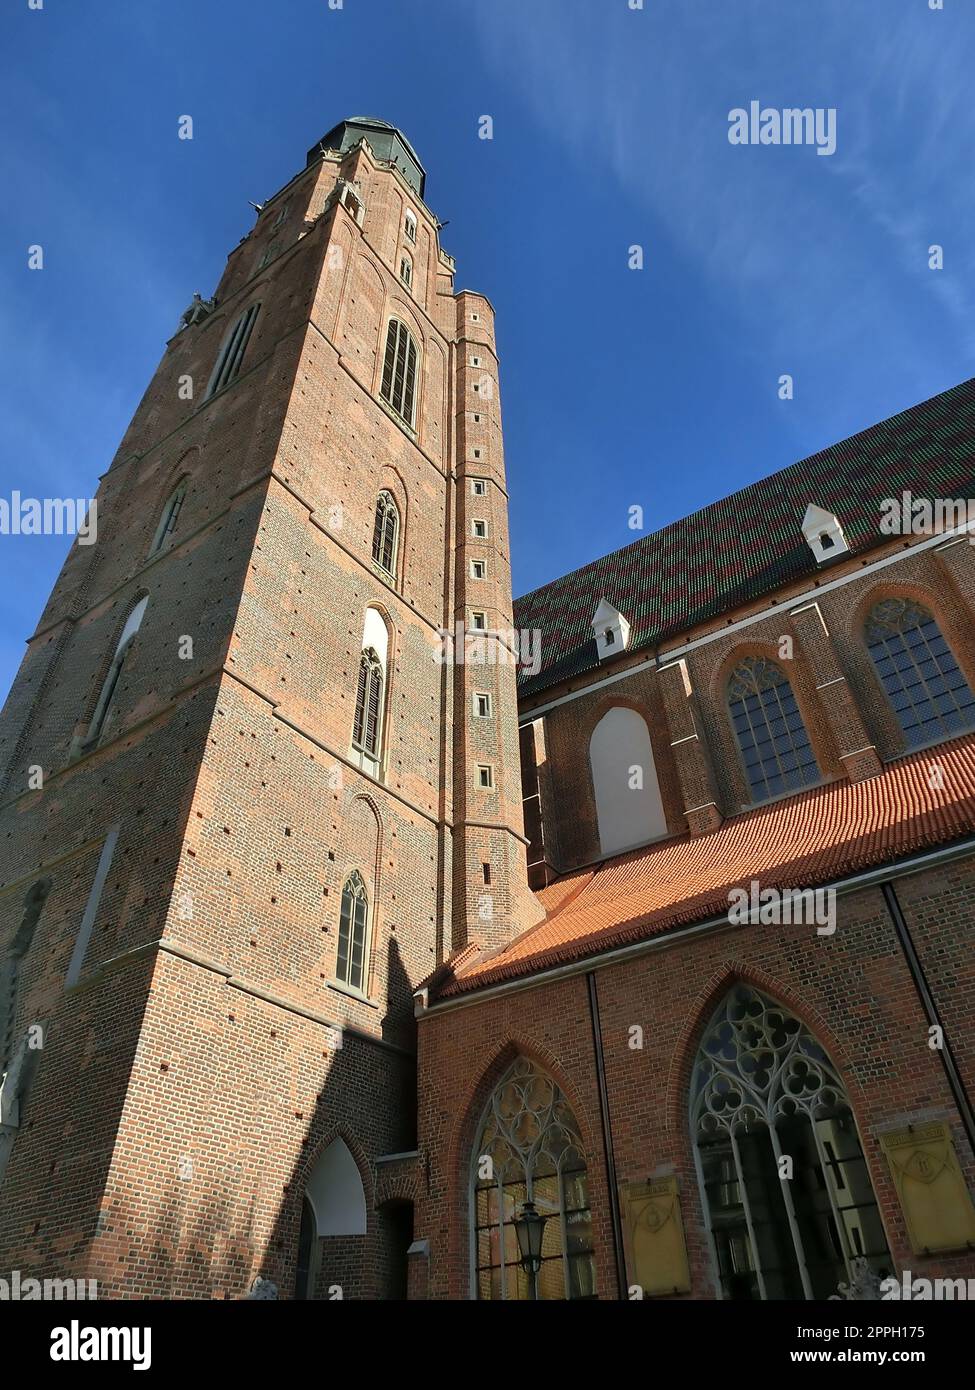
331 1236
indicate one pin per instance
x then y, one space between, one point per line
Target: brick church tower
248 804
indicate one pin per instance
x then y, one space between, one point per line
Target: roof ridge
738 492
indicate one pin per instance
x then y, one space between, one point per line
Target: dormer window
823 533
610 629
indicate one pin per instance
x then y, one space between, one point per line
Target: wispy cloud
784 235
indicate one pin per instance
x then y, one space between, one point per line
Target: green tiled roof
750 543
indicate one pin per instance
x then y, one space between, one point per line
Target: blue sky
656 387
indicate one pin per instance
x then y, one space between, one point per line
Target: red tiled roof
817 837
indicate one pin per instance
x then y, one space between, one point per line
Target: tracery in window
771 735
918 671
385 535
529 1149
352 957
765 1091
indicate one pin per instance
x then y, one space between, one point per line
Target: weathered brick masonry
584 975
202 1082
207 1056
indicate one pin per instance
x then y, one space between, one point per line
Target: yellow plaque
653 1237
937 1208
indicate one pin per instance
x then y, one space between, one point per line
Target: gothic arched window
772 738
110 685
918 671
170 515
784 1183
385 536
529 1150
399 370
351 960
367 725
231 353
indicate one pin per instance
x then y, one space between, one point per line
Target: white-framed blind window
232 352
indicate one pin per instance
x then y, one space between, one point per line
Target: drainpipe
609 1155
952 1073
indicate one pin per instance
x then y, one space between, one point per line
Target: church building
347 954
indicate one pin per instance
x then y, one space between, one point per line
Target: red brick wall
852 989
189 1080
849 712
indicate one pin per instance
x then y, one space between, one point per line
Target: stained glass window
529 1149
